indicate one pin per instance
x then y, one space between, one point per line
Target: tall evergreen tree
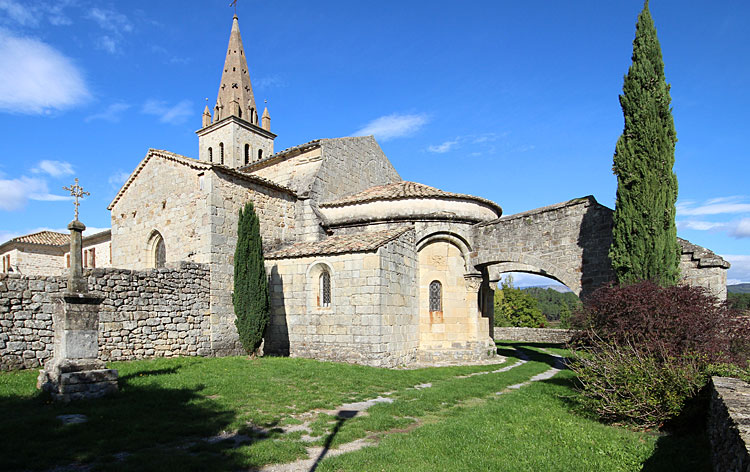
251 304
644 236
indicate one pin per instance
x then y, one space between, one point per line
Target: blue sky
513 101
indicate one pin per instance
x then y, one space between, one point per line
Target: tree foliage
250 298
644 236
514 307
556 307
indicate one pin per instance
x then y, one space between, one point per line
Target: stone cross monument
75 371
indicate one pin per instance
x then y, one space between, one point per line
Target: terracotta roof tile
50 238
403 190
359 242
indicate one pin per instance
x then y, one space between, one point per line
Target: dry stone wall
728 429
152 313
534 335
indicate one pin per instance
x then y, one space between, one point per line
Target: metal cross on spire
234 4
77 192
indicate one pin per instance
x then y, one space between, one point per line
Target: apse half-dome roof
404 190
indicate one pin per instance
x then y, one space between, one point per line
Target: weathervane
77 192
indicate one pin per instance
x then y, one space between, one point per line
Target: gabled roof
346 243
401 191
47 238
194 164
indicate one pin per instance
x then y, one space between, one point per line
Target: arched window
324 295
252 115
221 152
247 154
157 251
436 296
260 154
210 154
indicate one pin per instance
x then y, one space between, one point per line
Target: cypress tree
644 236
251 304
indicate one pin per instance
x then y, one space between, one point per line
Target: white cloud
699 225
174 114
36 78
714 206
21 14
112 113
115 23
741 229
54 168
393 126
110 20
15 193
740 270
117 179
105 43
444 147
273 81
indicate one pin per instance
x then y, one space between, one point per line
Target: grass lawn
166 409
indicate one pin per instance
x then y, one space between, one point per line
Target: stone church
363 266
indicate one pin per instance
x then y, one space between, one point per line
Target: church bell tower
233 136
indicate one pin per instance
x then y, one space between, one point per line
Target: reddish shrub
665 321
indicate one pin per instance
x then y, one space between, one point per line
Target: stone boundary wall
534 335
728 428
151 313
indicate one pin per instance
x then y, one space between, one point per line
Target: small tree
644 236
250 298
514 307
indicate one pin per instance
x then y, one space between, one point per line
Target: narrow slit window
260 154
247 154
221 153
325 289
210 154
436 296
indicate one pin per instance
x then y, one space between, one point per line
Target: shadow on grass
149 373
684 447
342 416
143 427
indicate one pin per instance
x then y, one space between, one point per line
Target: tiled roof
50 238
359 242
403 190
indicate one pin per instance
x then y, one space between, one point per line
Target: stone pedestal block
75 372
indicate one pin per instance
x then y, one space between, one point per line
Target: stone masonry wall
152 313
728 429
167 197
534 335
351 165
568 241
36 260
372 317
276 211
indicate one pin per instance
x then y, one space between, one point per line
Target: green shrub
514 307
250 297
623 384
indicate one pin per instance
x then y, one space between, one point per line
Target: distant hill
556 288
739 288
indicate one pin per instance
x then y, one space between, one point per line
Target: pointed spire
206 116
235 79
266 120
